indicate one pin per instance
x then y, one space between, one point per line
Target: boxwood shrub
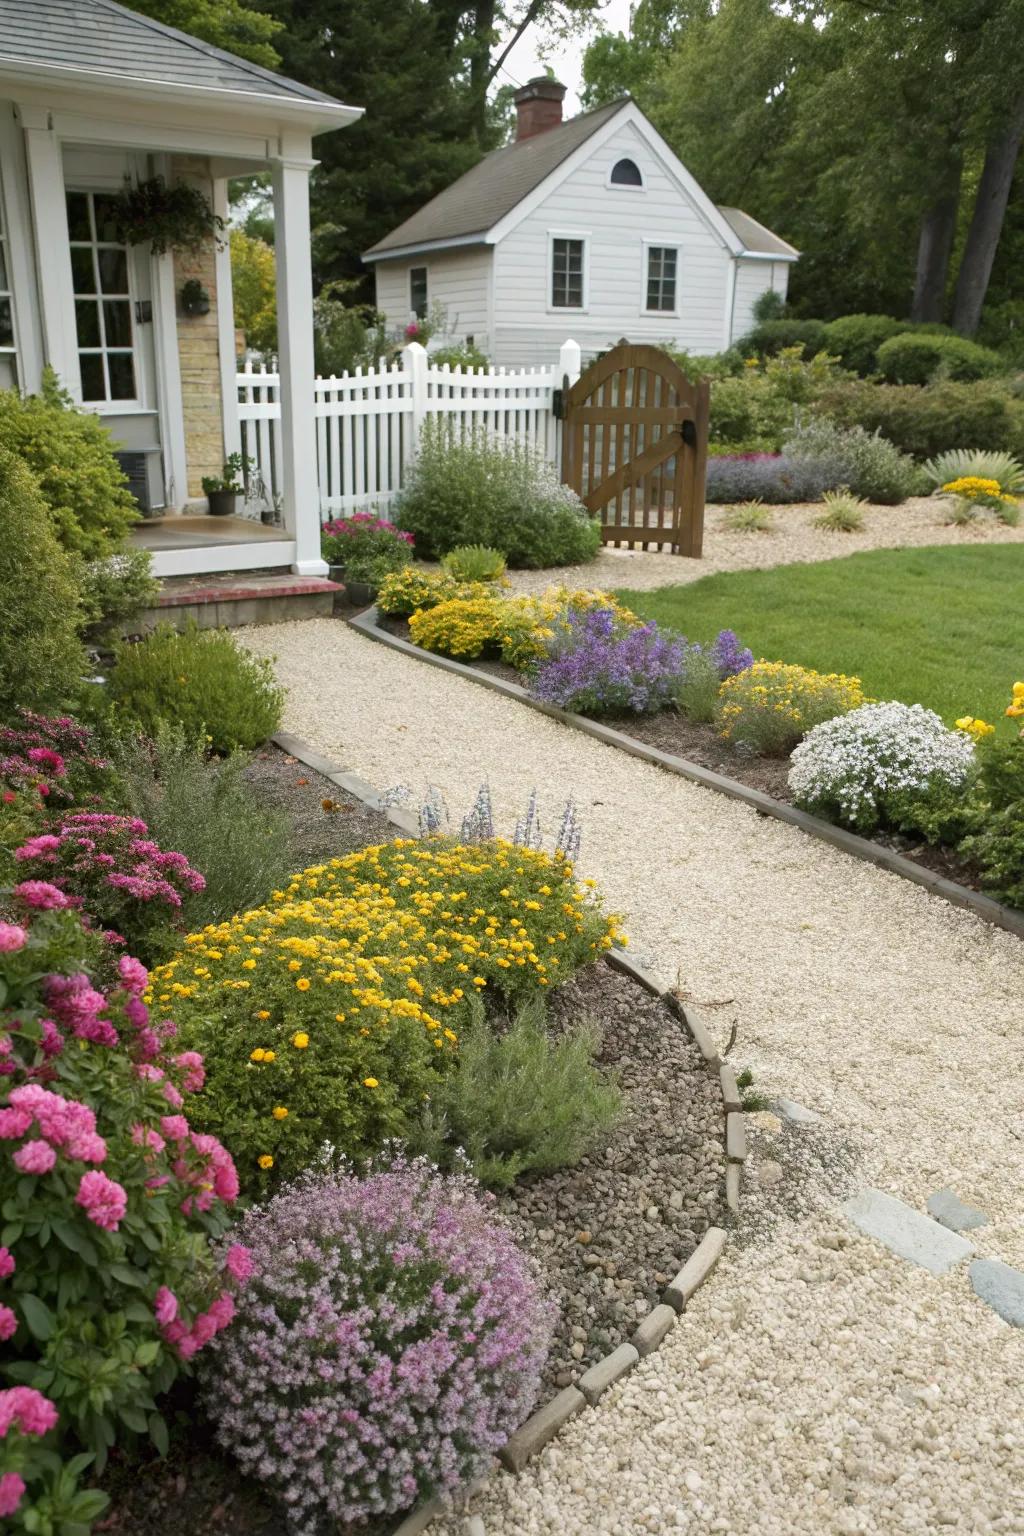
916 358
772 336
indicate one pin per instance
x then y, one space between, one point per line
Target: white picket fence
368 424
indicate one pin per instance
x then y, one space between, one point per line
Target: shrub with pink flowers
366 545
389 1341
109 1275
47 763
108 865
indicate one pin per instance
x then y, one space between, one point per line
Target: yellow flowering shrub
974 727
1015 708
464 628
404 592
770 706
327 1015
529 624
976 488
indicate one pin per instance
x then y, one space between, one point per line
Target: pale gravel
817 1385
793 539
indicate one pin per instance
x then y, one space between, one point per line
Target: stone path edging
545 1422
985 907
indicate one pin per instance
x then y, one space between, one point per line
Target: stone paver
1001 1287
947 1207
907 1232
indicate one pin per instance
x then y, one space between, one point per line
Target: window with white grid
103 300
661 277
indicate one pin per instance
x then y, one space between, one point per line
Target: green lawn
941 627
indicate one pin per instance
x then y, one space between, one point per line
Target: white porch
109 317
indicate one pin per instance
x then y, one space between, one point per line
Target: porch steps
229 600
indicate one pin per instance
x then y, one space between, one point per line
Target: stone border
545 1422
990 911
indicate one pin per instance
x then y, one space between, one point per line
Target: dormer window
626 173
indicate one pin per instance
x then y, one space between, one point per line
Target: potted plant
222 491
364 574
349 543
169 218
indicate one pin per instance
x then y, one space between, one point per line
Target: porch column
295 342
53 251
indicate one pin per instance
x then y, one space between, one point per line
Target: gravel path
818 1384
793 539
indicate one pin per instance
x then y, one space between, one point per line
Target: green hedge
772 336
916 358
855 340
925 421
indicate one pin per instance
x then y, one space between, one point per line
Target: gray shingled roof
755 236
100 37
475 203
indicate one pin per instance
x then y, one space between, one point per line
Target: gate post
415 359
569 361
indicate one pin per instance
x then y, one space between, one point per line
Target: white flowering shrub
878 764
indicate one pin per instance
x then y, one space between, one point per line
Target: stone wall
198 346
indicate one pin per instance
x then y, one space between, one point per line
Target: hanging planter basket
169 218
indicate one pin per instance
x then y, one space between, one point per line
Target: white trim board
222 557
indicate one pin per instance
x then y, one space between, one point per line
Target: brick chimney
538 107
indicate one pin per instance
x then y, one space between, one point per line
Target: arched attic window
626 173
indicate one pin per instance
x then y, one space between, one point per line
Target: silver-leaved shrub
879 765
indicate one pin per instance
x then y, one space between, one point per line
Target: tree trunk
934 247
987 220
480 64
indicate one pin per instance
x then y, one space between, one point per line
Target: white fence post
415 360
569 362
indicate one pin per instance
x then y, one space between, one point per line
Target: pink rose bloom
11 1489
133 973
12 937
7 1264
204 1328
222 1310
191 1064
175 1332
52 1041
28 1409
238 1263
187 1346
172 1096
103 1200
14 1123
225 1181
8 1323
165 1306
35 1157
88 1148
174 1127
42 895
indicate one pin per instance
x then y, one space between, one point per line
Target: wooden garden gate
634 447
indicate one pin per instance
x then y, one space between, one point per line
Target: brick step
230 601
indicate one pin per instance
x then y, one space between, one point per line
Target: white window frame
419 266
583 236
129 405
623 186
659 245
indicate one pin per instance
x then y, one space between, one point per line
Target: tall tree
228 24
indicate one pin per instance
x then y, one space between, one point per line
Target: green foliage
770 305
928 421
166 218
768 707
200 679
977 463
864 462
403 592
913 358
228 24
482 490
926 626
346 336
522 1101
254 291
855 340
696 692
997 846
843 512
115 590
959 512
69 452
41 656
462 356
203 808
474 562
749 517
769 337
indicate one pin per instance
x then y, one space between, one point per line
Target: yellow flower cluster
1015 708
518 629
974 727
404 592
770 705
977 489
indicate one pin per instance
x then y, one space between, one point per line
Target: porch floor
201 532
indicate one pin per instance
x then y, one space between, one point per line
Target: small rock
577 1350
582 1237
769 1173
692 1480
675 1200
797 1114
652 1213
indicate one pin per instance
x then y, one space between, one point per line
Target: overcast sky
530 55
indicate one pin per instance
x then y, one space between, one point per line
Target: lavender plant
390 1340
769 477
598 667
477 825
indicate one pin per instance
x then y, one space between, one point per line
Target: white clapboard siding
367 424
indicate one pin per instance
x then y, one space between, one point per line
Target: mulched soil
608 1233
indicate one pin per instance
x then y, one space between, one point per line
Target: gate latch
688 433
558 405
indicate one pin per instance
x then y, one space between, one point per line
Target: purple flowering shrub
109 1277
705 670
599 666
769 477
107 865
389 1342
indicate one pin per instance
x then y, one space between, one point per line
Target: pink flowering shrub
46 764
107 865
109 1276
389 1341
39 1493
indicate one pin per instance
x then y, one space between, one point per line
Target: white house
591 228
94 97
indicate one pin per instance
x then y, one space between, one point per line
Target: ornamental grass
328 1014
767 708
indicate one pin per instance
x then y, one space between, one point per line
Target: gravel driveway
819 1384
